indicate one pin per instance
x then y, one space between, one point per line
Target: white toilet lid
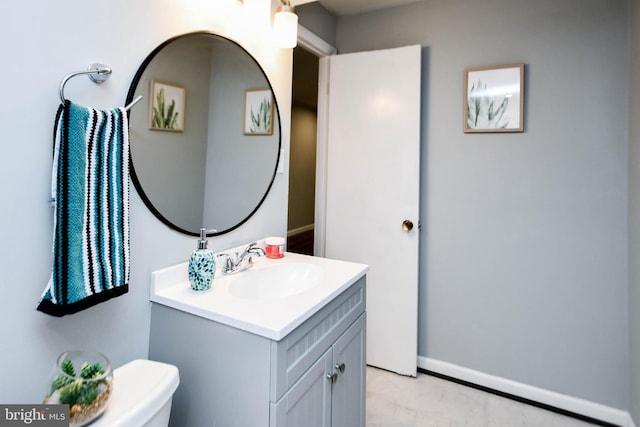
140 389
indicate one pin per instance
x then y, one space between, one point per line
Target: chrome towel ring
98 73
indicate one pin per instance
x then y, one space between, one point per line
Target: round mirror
205 138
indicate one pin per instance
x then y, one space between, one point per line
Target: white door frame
323 50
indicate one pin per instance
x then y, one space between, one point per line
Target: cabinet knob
341 367
333 378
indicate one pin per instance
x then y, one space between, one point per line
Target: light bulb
285 27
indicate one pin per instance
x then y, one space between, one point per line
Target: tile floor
427 401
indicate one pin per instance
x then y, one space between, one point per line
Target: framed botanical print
494 99
166 111
258 112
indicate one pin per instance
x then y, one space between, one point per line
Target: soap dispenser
202 265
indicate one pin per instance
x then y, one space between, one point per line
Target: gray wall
634 214
302 172
524 250
318 20
302 169
67 35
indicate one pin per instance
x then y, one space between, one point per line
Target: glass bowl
83 380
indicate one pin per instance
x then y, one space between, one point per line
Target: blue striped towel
90 188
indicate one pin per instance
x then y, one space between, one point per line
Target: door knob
407 225
341 367
333 378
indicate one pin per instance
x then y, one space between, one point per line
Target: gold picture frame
167 106
493 99
258 112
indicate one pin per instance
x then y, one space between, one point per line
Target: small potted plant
82 380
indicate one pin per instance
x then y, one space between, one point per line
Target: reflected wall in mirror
211 174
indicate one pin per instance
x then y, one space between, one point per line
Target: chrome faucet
233 264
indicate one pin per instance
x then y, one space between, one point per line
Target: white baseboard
561 401
299 230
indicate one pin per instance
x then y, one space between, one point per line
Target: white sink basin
270 299
275 281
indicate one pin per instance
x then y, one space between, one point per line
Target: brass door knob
407 225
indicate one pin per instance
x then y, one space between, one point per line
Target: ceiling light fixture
285 25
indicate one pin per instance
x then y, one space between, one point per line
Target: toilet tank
142 395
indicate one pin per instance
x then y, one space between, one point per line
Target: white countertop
272 319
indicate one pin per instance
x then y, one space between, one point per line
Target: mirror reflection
205 139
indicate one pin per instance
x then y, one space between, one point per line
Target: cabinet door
349 394
308 401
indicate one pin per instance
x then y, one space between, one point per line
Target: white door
372 191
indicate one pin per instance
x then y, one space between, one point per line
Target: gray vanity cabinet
324 396
229 377
349 355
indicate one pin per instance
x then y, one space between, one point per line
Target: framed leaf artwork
166 111
494 99
258 112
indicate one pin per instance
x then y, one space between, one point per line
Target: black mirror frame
134 177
